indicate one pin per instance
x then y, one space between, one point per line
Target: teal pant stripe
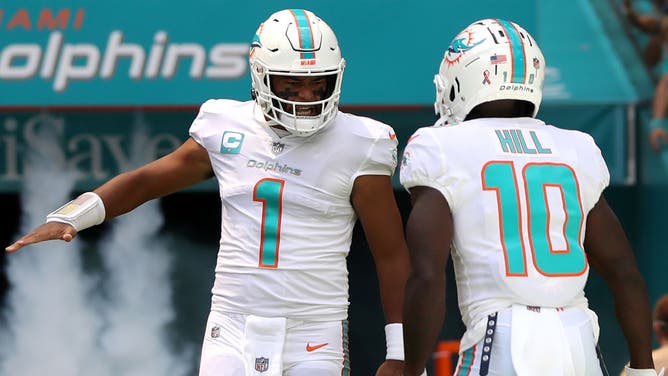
467 362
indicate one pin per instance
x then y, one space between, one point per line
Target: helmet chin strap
300 125
280 130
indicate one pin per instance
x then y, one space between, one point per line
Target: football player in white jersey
294 175
521 204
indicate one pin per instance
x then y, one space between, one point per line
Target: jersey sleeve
381 158
600 175
422 164
199 129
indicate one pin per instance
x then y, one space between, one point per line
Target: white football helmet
491 59
295 42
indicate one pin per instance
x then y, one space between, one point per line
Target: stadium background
70 66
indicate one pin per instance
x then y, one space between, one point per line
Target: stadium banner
99 145
77 53
93 146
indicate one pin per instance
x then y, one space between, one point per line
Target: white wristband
640 372
81 213
394 337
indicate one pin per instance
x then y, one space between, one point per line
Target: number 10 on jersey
537 179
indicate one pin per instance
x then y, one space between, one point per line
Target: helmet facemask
295 43
299 117
443 92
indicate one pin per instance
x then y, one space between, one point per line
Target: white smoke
60 321
140 305
51 328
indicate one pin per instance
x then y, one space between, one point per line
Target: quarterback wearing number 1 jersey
287 219
294 176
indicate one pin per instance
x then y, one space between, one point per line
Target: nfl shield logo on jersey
215 332
277 147
261 364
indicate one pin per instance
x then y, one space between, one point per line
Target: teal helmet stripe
517 51
305 33
256 41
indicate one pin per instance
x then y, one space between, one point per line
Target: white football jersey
287 219
520 192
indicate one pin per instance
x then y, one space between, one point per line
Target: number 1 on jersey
270 193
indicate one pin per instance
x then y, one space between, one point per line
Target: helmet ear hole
452 93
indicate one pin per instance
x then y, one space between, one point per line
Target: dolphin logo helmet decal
490 59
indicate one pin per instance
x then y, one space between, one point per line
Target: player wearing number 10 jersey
521 204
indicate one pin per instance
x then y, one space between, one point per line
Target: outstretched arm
610 254
187 165
429 233
376 208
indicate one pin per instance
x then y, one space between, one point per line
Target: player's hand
391 367
47 231
658 138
